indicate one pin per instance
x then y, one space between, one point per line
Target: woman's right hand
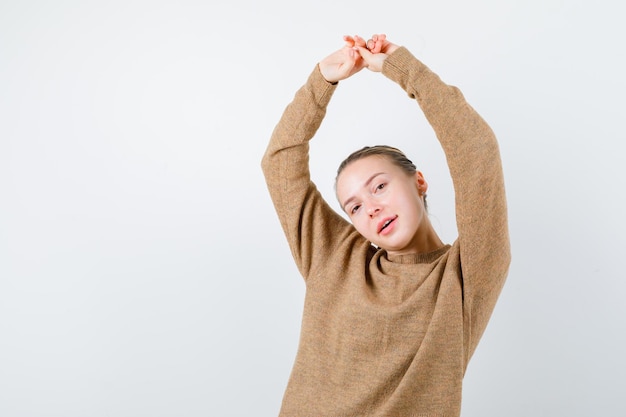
343 63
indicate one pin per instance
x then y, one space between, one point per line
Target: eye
380 186
354 209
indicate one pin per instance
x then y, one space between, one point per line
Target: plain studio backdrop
143 271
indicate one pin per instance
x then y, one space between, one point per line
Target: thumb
365 54
372 61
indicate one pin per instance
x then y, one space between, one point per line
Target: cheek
360 225
411 200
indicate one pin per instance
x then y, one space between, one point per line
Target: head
384 195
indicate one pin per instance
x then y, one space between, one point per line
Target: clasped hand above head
356 54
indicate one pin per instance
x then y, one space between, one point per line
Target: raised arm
312 228
473 158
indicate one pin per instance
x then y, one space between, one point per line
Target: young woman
392 315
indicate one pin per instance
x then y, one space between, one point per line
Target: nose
373 210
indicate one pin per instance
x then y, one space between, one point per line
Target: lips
384 223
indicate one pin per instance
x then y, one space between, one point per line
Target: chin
391 248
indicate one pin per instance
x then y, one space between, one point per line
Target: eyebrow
367 183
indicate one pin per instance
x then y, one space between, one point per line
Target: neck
425 240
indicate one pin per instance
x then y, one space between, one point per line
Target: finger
380 42
348 58
359 41
375 46
371 43
365 54
376 42
349 40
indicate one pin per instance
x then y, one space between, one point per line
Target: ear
420 182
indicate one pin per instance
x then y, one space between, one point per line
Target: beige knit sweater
389 335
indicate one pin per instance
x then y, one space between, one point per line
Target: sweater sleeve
312 228
473 158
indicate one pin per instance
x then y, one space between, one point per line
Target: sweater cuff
322 90
400 63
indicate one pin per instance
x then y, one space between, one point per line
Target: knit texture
389 335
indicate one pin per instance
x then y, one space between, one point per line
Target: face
385 204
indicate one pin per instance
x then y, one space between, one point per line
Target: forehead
357 173
367 162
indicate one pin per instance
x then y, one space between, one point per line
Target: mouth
385 223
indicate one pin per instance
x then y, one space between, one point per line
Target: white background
142 268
